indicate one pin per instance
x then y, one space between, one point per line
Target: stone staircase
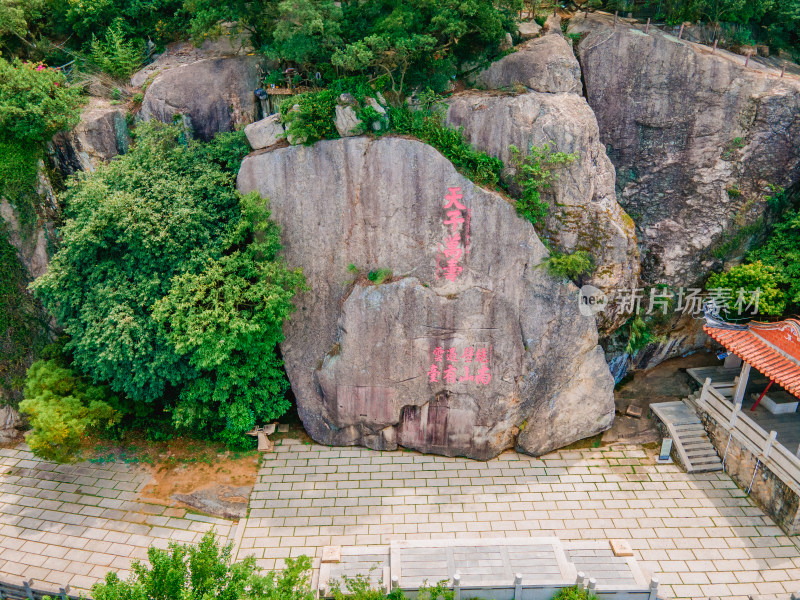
692 445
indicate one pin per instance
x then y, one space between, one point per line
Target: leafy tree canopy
166 294
186 572
412 41
63 407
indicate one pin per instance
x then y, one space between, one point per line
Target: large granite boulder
696 139
101 134
212 95
265 133
584 213
466 362
545 64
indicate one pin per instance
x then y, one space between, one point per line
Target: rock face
529 29
372 364
264 133
32 241
696 140
584 213
101 135
213 95
545 64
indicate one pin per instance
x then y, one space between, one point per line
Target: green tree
167 215
63 407
781 252
205 571
227 319
749 278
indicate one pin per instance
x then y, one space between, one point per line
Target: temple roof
771 348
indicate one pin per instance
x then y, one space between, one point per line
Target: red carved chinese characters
448 373
452 250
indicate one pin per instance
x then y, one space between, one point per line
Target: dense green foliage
775 22
313 120
205 571
782 252
22 329
773 267
35 102
63 407
570 265
116 55
749 278
411 42
534 173
429 126
168 297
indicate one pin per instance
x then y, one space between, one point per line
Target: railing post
734 416
28 590
457 586
518 586
653 589
773 435
581 580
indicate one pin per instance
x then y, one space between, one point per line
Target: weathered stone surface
553 24
264 133
545 64
696 138
358 354
584 213
9 418
529 30
346 121
184 53
32 240
101 135
214 95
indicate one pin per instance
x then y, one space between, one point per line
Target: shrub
750 277
781 251
573 593
570 265
186 572
379 276
116 55
313 119
63 408
35 102
159 273
534 174
429 126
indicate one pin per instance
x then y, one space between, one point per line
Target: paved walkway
699 534
70 524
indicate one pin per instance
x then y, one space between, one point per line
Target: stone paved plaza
699 534
70 524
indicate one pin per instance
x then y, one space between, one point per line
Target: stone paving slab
699 533
70 524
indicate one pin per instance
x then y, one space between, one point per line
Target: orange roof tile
772 348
